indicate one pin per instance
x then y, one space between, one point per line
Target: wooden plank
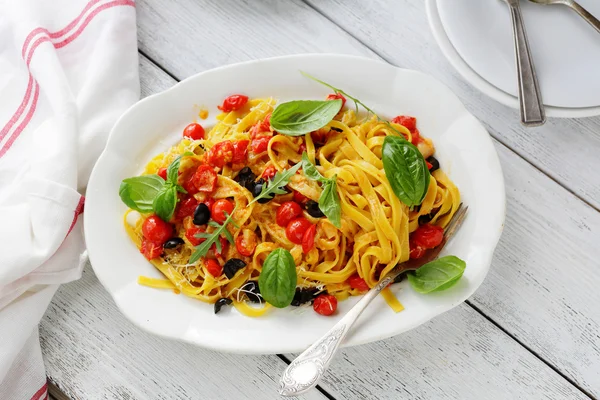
93 352
528 291
565 149
459 355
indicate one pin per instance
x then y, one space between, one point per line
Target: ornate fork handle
306 370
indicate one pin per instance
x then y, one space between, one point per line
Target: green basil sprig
299 117
151 193
278 278
213 238
276 184
405 169
437 275
329 202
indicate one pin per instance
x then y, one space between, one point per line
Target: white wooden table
530 332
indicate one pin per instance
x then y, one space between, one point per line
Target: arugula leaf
437 275
329 202
310 170
276 185
300 117
278 278
165 201
405 169
138 193
212 238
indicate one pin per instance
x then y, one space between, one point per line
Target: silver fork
530 99
593 21
307 369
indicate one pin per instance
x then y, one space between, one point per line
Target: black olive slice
222 302
232 266
173 243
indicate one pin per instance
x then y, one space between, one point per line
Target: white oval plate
464 149
503 87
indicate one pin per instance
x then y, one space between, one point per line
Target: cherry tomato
194 131
287 212
260 144
319 136
416 251
301 148
186 207
209 202
296 228
150 250
246 242
416 137
220 154
240 149
336 96
300 198
269 172
265 125
325 304
356 282
213 267
162 172
156 230
219 209
428 236
308 239
191 232
429 165
409 123
204 179
233 102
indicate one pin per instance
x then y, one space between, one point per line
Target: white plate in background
464 149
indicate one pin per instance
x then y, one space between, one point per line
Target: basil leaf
173 168
405 169
165 202
310 170
278 278
139 192
437 275
299 117
329 202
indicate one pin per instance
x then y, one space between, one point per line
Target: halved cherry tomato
416 251
156 230
240 149
336 96
356 282
213 267
204 179
260 144
300 198
246 242
308 239
220 154
428 236
150 250
209 202
162 172
265 125
233 102
218 210
429 165
191 232
186 207
287 212
301 148
194 131
409 123
296 228
325 304
269 172
416 137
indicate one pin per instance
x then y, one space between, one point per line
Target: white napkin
68 70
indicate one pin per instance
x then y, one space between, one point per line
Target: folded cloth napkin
68 70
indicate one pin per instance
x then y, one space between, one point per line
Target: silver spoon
307 369
593 21
530 99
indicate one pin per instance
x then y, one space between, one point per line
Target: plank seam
318 387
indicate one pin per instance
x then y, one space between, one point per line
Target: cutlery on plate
307 369
530 99
593 21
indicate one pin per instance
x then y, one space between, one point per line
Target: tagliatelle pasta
376 230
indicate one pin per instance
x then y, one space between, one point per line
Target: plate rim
283 348
483 85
